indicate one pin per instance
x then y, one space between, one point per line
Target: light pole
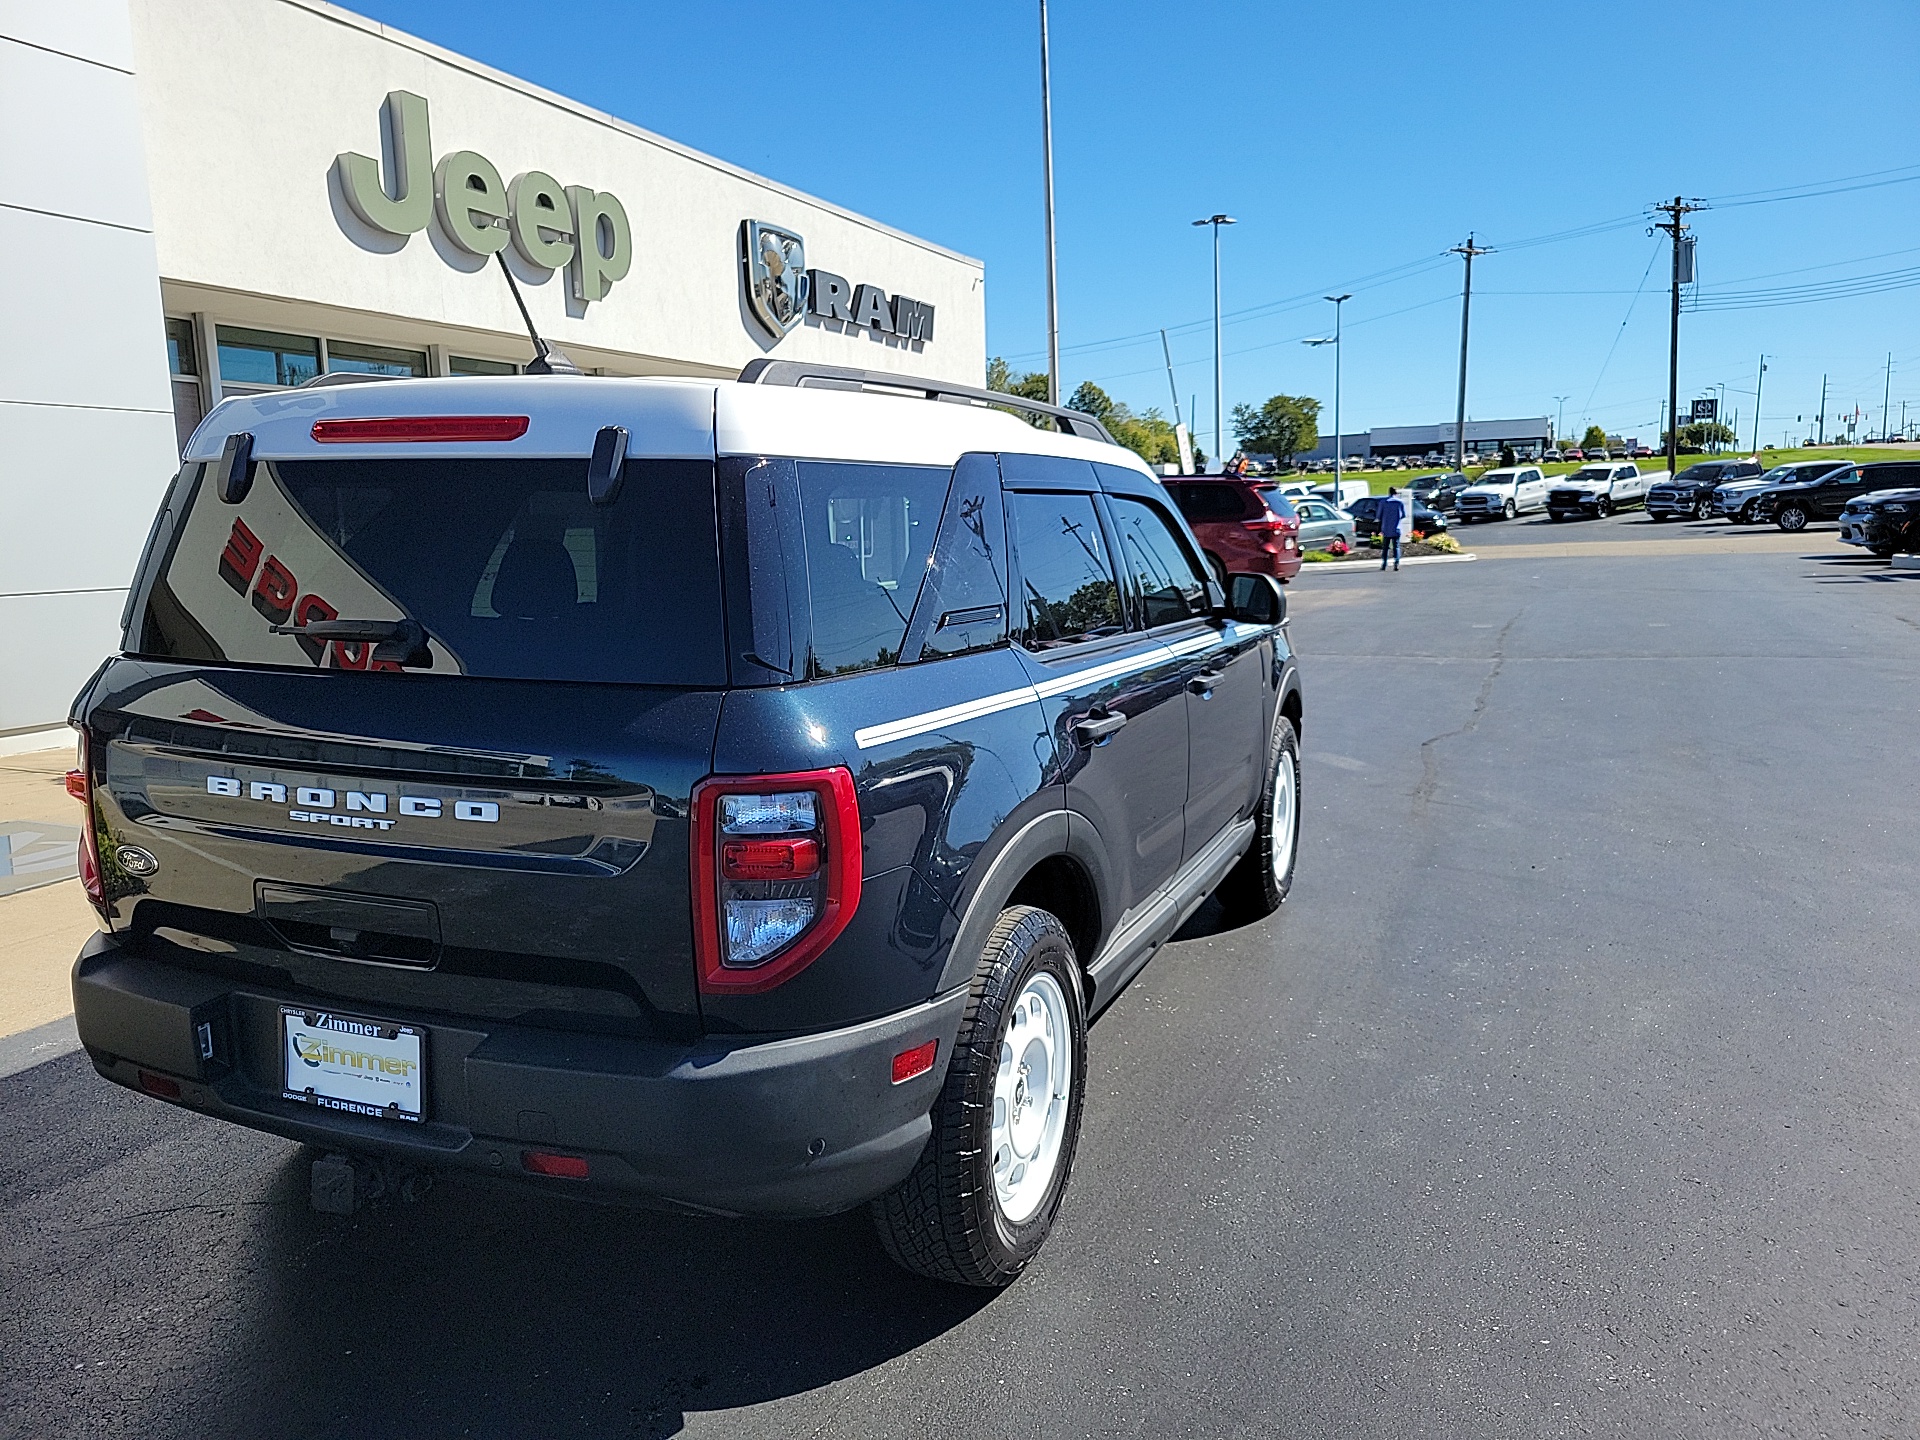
1219 413
1046 145
1759 383
1334 340
1560 421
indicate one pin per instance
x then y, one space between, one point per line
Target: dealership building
207 198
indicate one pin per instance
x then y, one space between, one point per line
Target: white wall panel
67 125
83 323
49 645
80 492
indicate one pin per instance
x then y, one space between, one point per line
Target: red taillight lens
420 427
769 859
541 1162
776 874
160 1085
1271 525
80 786
917 1061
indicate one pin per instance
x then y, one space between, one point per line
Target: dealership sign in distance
781 290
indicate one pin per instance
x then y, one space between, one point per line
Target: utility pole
1759 381
1465 252
1180 436
1823 412
1560 421
1046 146
1886 399
1682 252
1219 409
1339 445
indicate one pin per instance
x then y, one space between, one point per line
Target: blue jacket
1392 511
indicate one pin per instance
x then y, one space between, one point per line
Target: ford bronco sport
731 796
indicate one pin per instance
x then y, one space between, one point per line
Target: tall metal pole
1560 421
1886 398
1339 440
1046 145
1823 412
1467 252
1167 350
1219 406
1759 383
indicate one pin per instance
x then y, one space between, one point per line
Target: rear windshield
507 565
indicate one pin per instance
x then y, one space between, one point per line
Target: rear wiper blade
398 642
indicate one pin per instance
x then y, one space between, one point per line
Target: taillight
776 874
80 786
388 428
1269 525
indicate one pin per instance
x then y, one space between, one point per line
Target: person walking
1396 521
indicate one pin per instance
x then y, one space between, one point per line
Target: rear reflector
77 784
168 1089
567 1167
917 1061
419 427
770 859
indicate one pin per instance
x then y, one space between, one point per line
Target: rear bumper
809 1125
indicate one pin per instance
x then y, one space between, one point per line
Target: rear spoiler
799 373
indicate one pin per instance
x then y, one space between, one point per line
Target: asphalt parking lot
1572 1093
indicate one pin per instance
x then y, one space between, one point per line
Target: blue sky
1354 143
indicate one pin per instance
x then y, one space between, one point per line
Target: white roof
664 418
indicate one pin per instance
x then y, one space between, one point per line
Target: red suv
1243 525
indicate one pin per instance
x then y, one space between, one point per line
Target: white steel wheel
1281 818
1032 1092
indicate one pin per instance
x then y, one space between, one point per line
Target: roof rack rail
800 373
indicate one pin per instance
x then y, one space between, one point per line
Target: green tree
1029 386
1148 435
1282 428
1702 433
1594 439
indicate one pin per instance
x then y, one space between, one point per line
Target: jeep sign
549 225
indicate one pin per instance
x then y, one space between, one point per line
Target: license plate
349 1063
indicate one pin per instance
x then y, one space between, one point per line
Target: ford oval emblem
136 861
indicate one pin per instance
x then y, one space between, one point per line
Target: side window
1067 587
963 601
1210 502
1164 578
868 531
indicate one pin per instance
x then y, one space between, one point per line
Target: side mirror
236 468
1256 600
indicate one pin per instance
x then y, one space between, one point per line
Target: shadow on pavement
486 1309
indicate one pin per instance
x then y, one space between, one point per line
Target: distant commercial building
1484 437
1352 443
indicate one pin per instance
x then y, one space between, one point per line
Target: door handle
1097 729
1203 683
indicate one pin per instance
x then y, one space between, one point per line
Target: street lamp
1560 420
1046 148
1334 340
1219 417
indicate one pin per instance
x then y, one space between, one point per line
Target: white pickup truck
1503 494
1597 490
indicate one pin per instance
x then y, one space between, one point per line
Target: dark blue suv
730 796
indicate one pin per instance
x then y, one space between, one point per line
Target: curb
1328 566
37 1046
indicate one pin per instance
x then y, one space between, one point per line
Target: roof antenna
546 360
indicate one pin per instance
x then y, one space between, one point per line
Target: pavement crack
1429 755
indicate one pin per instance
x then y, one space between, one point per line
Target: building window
374 360
263 357
461 365
181 356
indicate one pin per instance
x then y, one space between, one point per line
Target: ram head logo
774 266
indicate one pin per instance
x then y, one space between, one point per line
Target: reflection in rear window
508 566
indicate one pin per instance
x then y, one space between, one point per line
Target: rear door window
1068 588
507 565
1166 583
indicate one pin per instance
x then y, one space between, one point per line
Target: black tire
1253 888
1509 510
1792 518
1555 516
944 1221
1883 552
1659 517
